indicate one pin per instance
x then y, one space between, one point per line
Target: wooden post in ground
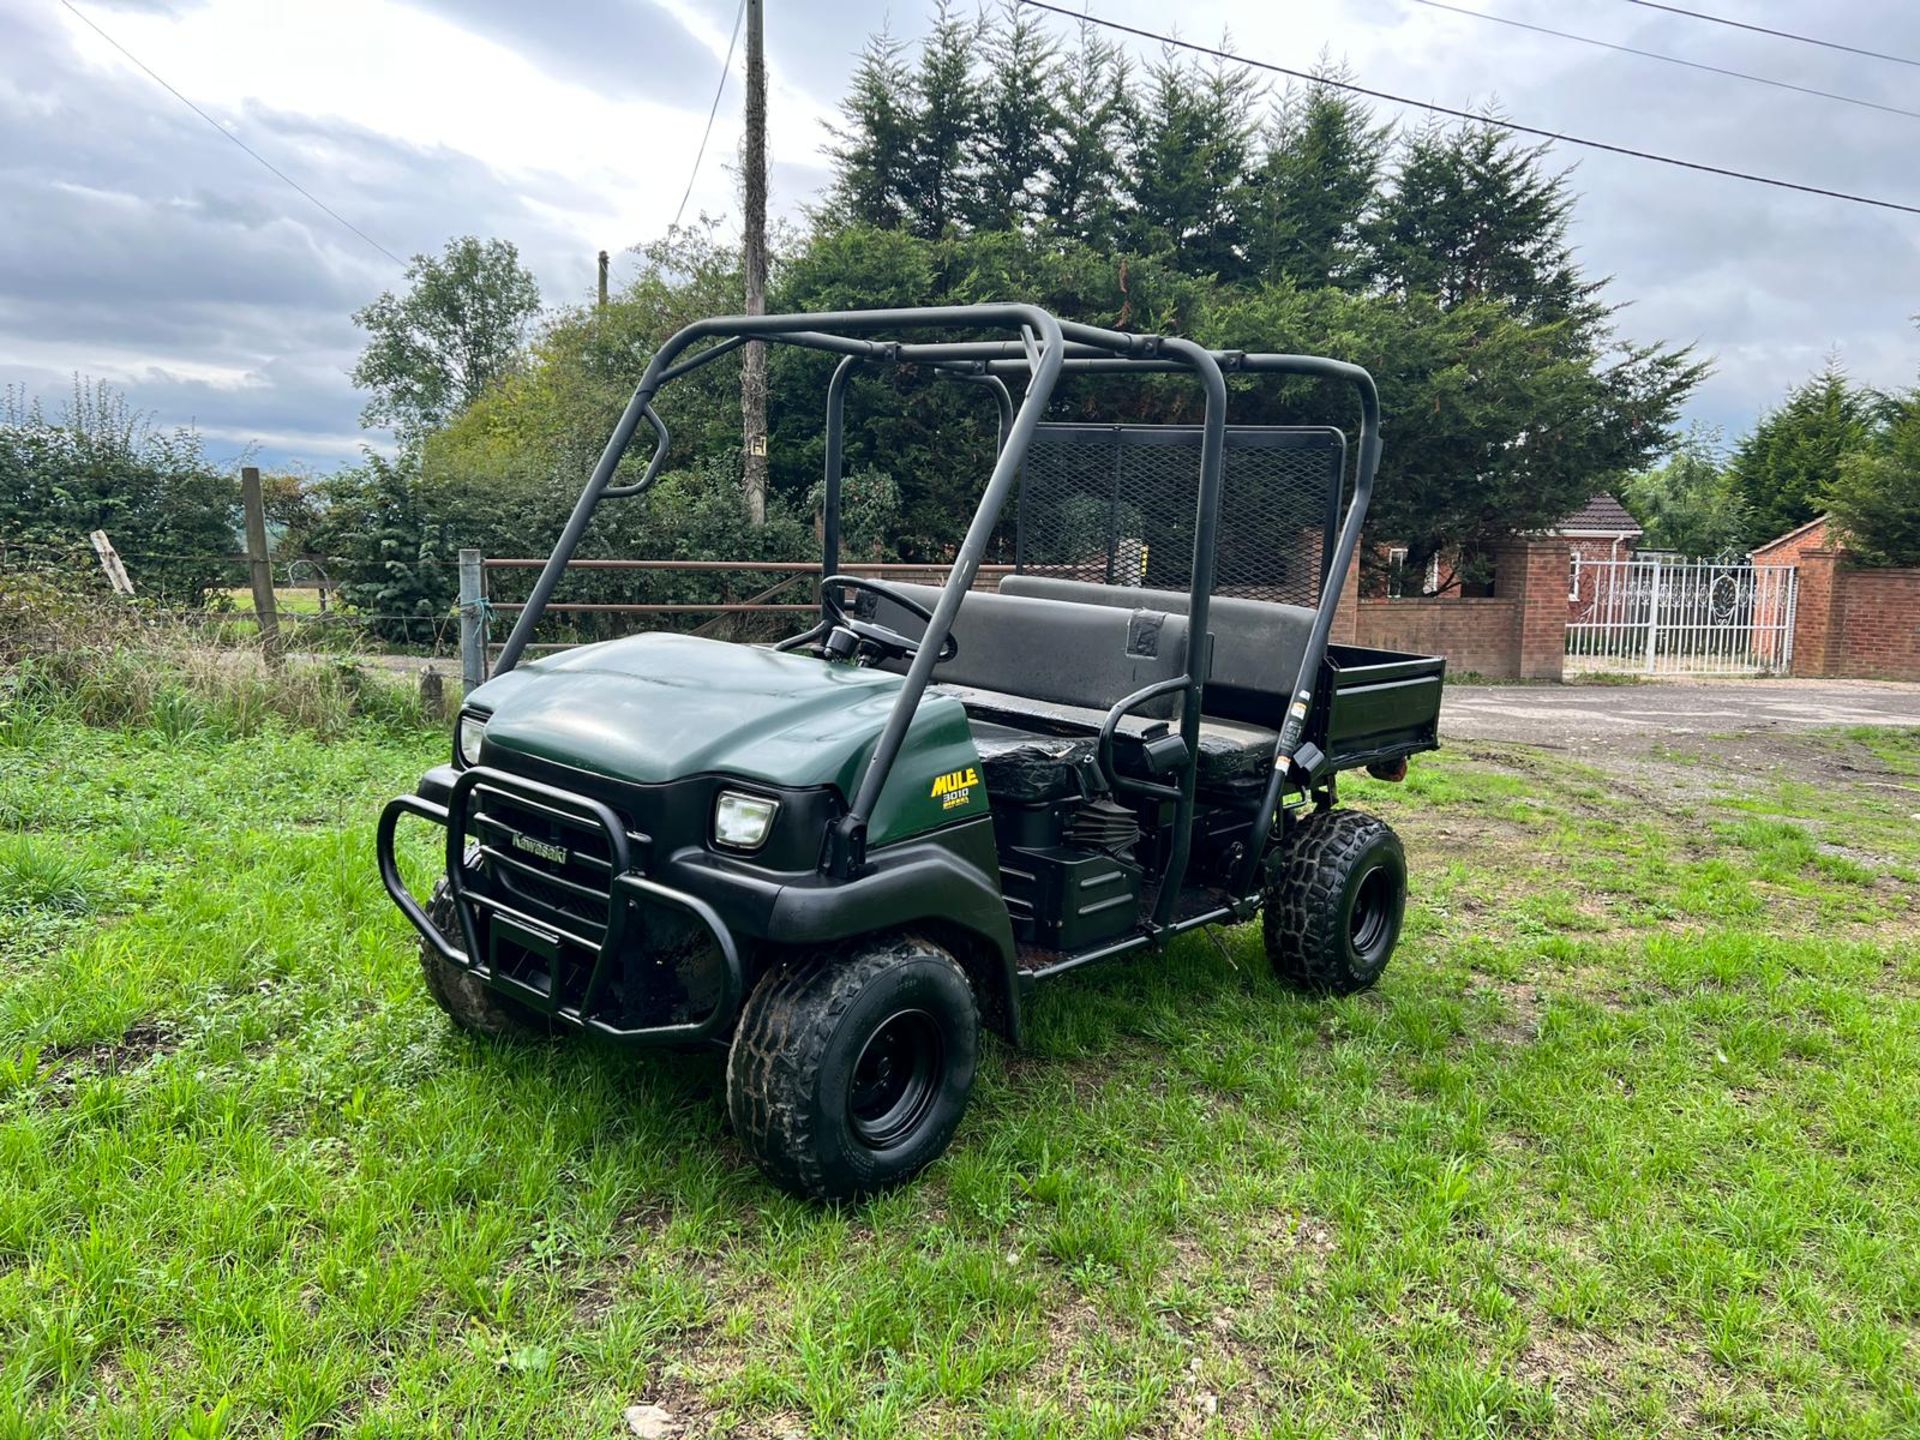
473 620
110 563
259 567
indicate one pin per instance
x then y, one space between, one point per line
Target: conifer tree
1784 465
1191 154
1315 189
1022 121
1474 215
943 156
1095 109
874 146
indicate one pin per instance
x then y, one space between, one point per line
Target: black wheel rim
1372 922
896 1079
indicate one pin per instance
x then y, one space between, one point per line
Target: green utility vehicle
843 855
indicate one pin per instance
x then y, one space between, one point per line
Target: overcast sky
138 246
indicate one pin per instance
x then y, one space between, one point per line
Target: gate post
1653 615
1533 571
473 620
1815 607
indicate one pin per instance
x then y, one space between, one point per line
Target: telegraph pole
753 366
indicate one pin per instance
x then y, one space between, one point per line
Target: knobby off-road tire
851 1067
1333 911
463 995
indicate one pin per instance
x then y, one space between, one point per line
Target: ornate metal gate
1680 617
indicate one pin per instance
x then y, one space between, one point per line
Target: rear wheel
1334 909
462 994
850 1069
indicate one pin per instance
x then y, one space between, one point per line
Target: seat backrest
1257 644
1054 650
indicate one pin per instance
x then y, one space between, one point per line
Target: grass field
1627 1143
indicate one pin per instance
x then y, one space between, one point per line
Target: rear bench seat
1257 645
1038 674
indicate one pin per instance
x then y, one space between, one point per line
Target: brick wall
1855 624
1878 634
1481 636
1520 633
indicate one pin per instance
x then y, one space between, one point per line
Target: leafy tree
1874 496
1687 503
102 465
459 328
1315 189
397 554
1473 215
874 145
1021 120
1781 469
1095 110
1191 152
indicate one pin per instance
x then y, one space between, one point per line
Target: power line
718 91
1777 34
228 134
1508 125
1670 59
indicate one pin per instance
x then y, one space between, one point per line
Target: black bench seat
1036 749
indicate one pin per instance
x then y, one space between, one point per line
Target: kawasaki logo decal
955 788
556 853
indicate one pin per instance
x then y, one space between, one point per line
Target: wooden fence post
259 568
473 620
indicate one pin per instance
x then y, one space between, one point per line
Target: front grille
551 866
543 886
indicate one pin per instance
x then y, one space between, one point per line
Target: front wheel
850 1069
1332 914
472 1004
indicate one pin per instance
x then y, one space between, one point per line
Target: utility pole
603 279
753 359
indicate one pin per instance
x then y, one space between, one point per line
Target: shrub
64 653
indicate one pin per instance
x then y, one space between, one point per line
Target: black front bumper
621 888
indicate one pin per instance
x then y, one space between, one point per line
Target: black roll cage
1046 348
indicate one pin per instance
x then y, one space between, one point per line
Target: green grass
1626 1143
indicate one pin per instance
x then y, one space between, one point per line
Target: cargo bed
1380 705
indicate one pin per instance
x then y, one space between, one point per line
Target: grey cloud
620 47
1766 280
135 231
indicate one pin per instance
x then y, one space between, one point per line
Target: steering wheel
873 640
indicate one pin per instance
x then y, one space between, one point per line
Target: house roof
1602 515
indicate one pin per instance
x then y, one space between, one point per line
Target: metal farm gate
1680 617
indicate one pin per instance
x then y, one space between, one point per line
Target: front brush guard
626 888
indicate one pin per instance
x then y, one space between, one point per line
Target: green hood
654 708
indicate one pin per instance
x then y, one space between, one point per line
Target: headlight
466 738
742 822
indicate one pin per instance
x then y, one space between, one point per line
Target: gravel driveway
1578 716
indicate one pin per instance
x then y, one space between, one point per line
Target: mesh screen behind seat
1115 505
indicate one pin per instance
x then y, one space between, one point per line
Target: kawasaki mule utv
843 854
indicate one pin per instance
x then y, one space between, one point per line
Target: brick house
1601 529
